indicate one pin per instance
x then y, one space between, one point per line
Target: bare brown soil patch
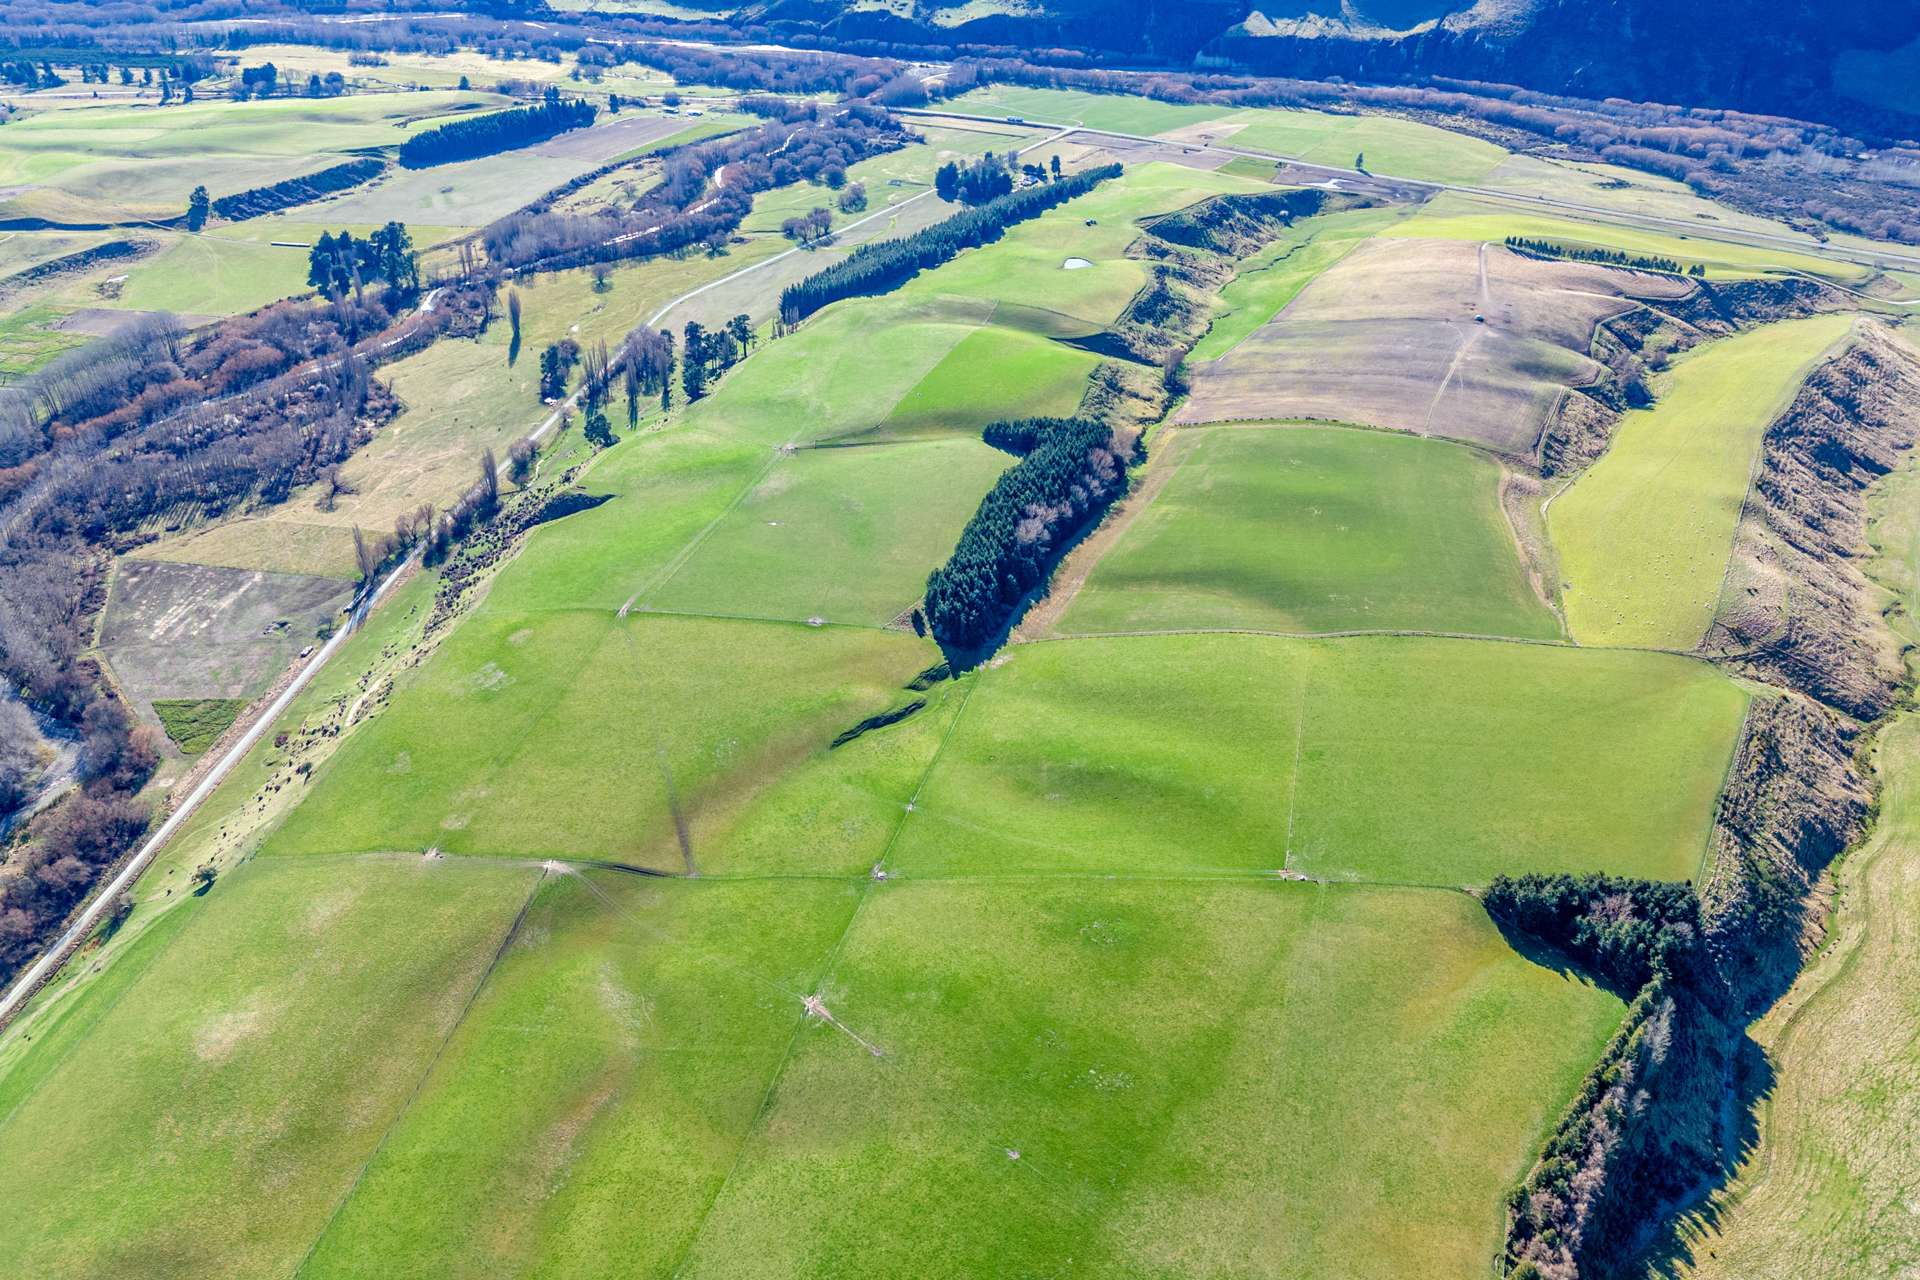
1436 337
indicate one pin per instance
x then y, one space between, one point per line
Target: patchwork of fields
682 910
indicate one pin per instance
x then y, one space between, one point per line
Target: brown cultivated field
197 631
1449 339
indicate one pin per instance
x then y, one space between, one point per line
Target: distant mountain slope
1851 61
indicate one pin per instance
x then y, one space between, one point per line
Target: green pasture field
1644 534
195 724
20 250
784 550
593 713
144 161
416 70
1305 529
1248 167
621 1051
1025 268
1014 371
1395 147
263 1048
28 340
228 269
1407 760
1453 217
1270 279
1157 1078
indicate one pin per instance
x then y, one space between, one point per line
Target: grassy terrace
1645 533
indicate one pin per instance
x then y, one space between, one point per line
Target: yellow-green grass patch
840 534
262 1051
195 724
128 162
621 1049
1304 529
572 734
1453 217
1644 534
1395 759
1268 280
1155 1079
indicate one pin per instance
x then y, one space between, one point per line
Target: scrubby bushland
1070 470
887 264
767 70
687 208
95 451
19 756
499 131
257 201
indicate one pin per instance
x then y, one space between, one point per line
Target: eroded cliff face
1797 610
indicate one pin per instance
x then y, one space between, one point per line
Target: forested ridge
1069 471
498 131
883 265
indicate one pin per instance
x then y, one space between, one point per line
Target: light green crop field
144 161
29 338
1303 529
1155 1079
1454 217
783 550
263 1048
1270 279
621 1050
1392 146
1644 534
1405 760
578 734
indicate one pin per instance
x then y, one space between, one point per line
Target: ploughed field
1440 337
681 914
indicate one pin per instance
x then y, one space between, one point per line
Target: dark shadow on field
1686 1229
1547 956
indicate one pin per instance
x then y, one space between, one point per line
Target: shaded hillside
1839 62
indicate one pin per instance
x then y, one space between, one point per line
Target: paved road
1888 258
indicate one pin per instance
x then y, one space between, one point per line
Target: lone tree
197 205
488 490
366 557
